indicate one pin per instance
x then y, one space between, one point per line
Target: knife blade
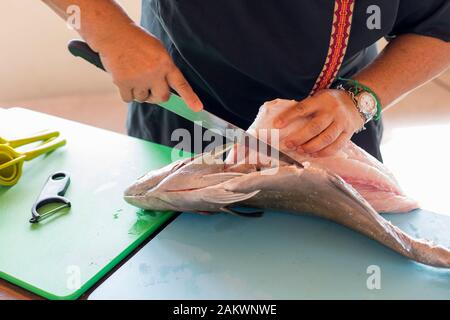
176 105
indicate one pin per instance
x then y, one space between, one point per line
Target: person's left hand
333 119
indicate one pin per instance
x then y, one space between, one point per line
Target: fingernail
278 123
289 145
200 105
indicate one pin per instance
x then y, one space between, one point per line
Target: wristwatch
364 99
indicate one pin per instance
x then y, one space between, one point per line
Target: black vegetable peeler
53 192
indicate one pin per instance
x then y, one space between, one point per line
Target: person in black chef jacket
231 56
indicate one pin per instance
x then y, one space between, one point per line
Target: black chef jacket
237 54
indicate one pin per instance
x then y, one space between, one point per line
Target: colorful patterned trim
340 33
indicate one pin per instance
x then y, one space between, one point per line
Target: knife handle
81 49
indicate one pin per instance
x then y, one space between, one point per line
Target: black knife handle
81 49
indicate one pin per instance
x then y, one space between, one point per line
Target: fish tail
426 252
376 227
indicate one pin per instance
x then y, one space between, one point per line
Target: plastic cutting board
63 256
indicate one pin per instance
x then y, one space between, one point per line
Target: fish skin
195 187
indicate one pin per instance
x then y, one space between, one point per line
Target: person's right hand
143 70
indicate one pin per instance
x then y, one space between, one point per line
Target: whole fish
206 184
348 188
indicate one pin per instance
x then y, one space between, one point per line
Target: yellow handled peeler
11 160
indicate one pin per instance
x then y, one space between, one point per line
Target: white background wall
34 62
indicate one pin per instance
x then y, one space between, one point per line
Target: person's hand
333 119
143 70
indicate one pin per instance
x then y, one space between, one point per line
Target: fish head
179 186
135 193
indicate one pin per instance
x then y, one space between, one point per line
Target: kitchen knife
176 105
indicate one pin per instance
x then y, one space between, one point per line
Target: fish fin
347 188
252 214
225 196
217 154
216 178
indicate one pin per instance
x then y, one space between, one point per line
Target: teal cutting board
65 255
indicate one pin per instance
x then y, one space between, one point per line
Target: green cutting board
62 257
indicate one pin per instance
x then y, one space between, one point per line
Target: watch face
367 103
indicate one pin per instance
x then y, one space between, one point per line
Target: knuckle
268 105
150 76
166 62
183 85
334 101
327 138
152 99
165 96
327 152
160 98
315 127
338 145
118 82
309 148
302 106
300 109
343 142
331 110
148 73
126 99
168 66
123 83
141 97
142 94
